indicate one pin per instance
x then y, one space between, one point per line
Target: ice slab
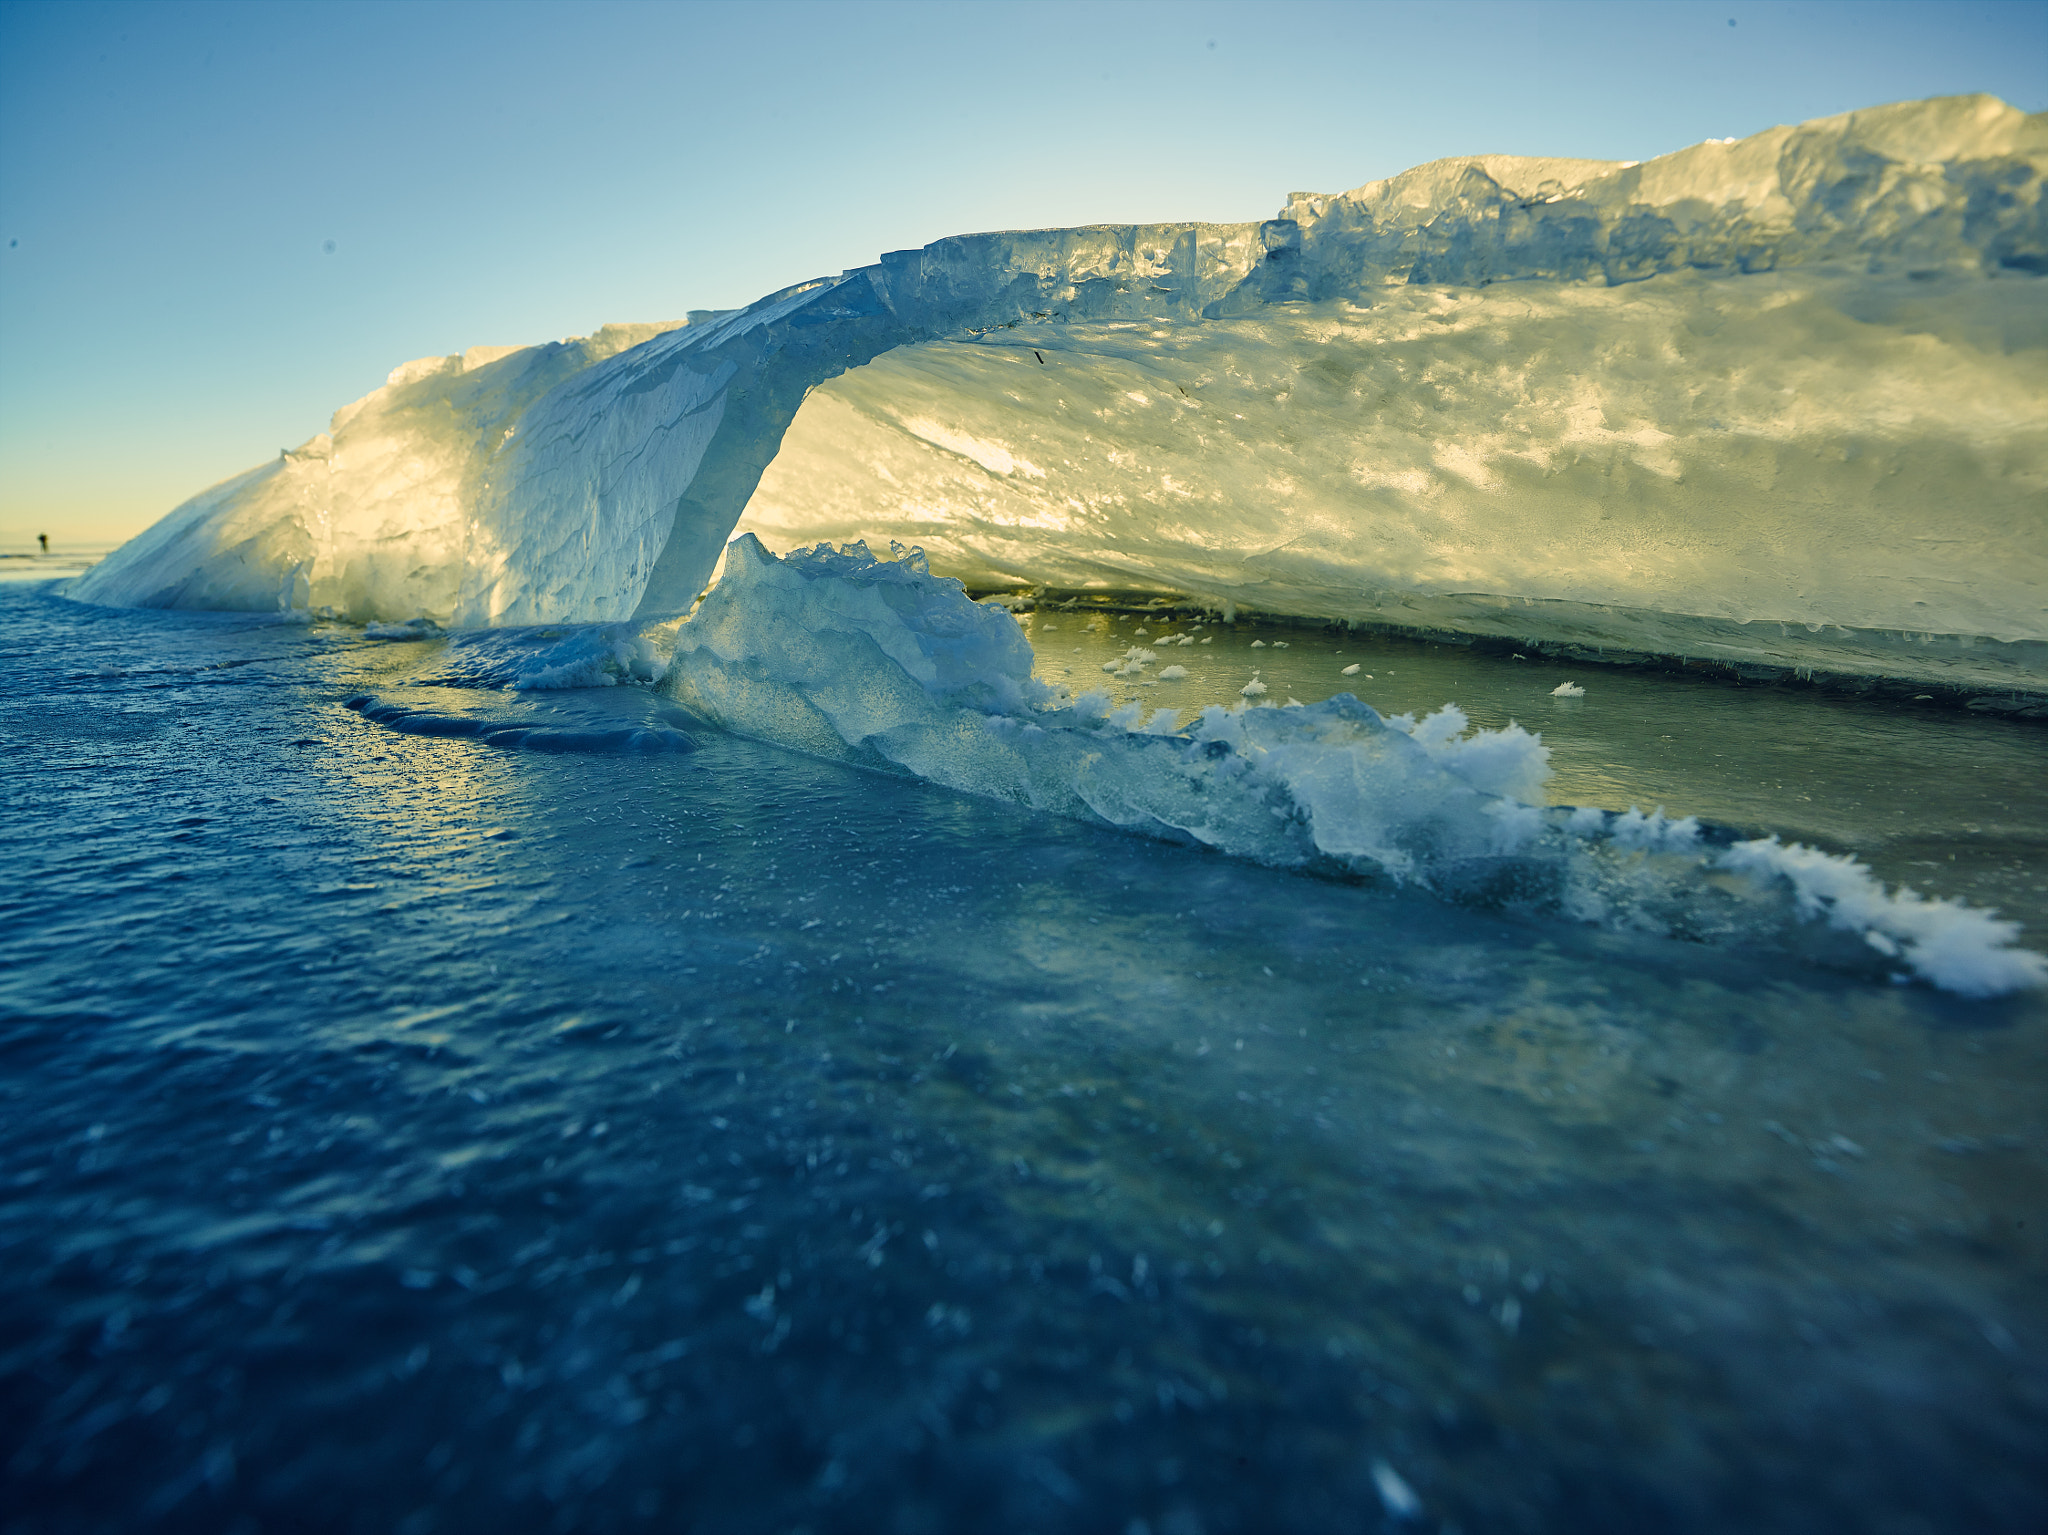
1817 467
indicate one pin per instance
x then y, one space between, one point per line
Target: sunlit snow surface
419 1131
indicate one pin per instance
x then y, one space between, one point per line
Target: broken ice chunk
1350 671
1172 673
1567 690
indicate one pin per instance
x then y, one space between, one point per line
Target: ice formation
522 736
1771 400
878 662
409 506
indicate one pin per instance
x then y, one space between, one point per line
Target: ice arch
1794 379
599 479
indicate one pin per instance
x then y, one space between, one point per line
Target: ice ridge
1946 185
879 663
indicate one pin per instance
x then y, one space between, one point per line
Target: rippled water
402 1133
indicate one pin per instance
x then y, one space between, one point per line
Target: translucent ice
1816 466
880 663
413 504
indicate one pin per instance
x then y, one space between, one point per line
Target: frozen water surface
406 1132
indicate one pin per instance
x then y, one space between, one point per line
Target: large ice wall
1788 386
1802 468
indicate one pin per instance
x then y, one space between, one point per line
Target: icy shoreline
878 663
522 1078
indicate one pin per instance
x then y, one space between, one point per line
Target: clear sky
218 222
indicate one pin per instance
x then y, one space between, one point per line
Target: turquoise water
404 1133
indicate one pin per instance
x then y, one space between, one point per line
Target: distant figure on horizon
44 540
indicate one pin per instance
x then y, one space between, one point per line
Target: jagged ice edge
837 652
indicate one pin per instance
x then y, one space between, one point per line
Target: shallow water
404 1133
1951 803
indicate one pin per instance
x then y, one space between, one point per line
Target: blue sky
220 221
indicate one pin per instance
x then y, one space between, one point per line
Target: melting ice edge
880 664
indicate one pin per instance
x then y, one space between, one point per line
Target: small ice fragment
1208 639
1567 690
411 629
1110 666
1279 644
1258 644
1252 689
1141 629
1189 639
1350 671
1395 1493
1172 673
